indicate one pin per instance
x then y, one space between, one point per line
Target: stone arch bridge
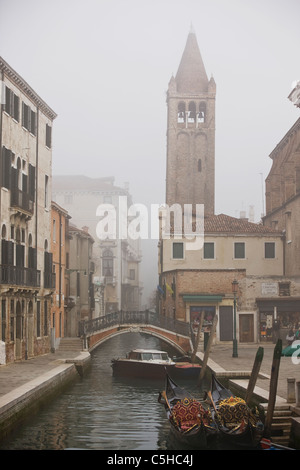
100 329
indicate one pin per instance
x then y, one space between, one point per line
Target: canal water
102 412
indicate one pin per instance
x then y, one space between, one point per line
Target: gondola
238 425
191 425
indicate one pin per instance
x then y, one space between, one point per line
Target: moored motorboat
190 423
143 363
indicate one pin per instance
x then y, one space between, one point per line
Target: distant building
27 280
79 301
117 260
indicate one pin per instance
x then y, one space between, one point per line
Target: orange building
59 231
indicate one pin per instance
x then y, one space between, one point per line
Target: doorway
226 323
246 324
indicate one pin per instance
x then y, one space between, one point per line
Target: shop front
277 316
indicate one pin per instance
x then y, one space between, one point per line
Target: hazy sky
104 67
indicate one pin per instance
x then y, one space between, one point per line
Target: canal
99 411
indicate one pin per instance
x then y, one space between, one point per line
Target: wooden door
226 323
246 324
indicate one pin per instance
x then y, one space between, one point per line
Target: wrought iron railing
88 327
21 200
20 276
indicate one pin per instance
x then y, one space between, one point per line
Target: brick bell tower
190 177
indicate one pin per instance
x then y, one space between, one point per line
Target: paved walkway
17 374
222 355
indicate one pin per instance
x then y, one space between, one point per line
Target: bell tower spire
191 96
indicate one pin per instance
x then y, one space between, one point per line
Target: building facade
26 276
283 213
196 280
117 258
59 248
80 299
260 261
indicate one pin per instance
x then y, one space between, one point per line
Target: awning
282 304
207 298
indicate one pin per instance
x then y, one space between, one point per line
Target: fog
104 67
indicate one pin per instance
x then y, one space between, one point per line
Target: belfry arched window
181 112
202 112
192 112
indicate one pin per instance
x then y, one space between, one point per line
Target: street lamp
234 343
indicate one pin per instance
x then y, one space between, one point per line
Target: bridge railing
88 327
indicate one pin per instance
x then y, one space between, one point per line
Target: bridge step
70 344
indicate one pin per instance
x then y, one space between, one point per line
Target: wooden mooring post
254 374
273 387
207 350
193 358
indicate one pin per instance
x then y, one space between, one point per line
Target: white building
26 277
117 260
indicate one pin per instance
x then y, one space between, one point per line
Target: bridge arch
97 331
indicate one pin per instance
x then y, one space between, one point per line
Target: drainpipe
60 267
284 243
1 120
36 179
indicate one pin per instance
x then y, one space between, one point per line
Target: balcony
21 202
20 276
49 280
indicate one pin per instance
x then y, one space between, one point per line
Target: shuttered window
12 104
6 168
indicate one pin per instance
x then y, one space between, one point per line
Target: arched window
192 112
202 112
108 263
181 112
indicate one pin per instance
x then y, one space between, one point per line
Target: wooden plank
198 337
209 343
254 374
273 387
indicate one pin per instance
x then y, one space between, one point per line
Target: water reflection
101 411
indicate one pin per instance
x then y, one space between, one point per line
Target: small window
192 112
202 112
284 289
46 190
12 104
178 250
209 250
181 112
199 165
48 136
239 250
269 250
132 274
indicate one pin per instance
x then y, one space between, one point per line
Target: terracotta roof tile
222 223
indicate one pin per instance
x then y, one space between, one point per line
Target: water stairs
281 424
70 344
